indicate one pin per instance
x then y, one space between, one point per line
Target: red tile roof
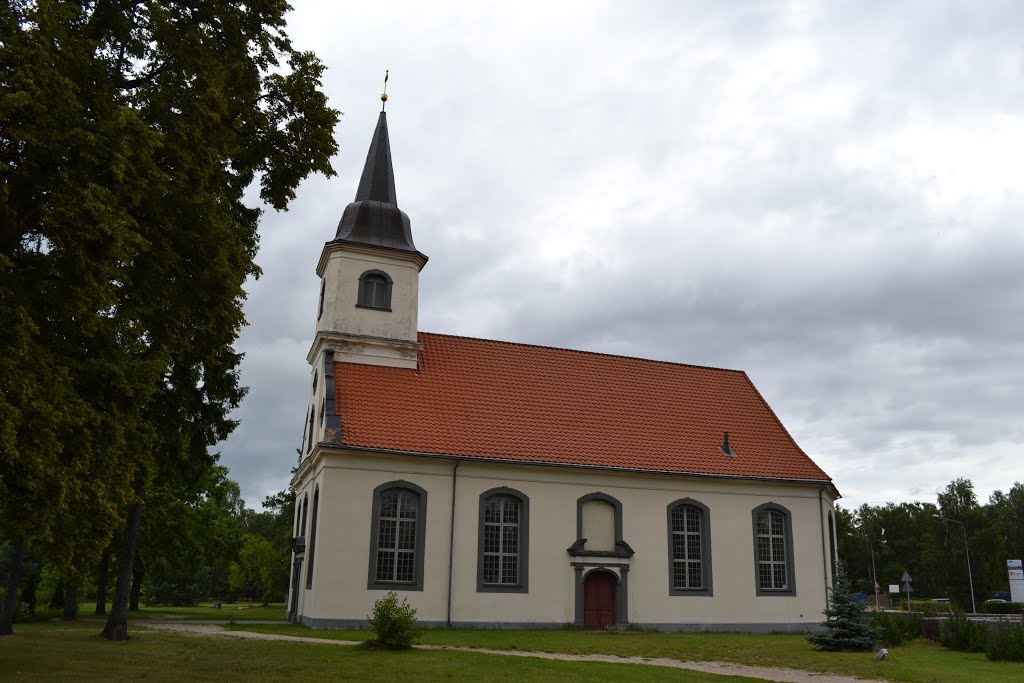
515 402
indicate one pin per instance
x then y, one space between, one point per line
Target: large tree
132 130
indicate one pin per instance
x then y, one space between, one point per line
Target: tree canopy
132 131
909 537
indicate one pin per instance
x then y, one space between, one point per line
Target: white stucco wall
347 481
344 265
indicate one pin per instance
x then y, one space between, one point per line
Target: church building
504 485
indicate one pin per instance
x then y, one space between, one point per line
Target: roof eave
327 446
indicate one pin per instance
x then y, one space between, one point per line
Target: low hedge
897 628
1001 640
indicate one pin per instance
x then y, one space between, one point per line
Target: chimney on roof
726 450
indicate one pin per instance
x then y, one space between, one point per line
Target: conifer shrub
394 622
960 633
896 629
847 626
1005 642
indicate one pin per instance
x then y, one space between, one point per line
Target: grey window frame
312 426
421 532
787 525
312 536
523 585
578 548
323 289
707 588
305 509
361 299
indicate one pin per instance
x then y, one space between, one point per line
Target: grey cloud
672 180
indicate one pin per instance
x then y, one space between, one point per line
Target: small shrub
896 629
960 633
394 622
1006 642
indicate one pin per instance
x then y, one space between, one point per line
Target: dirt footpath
722 668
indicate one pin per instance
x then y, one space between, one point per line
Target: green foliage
906 536
896 629
394 622
847 627
1005 642
258 567
960 633
127 239
1002 607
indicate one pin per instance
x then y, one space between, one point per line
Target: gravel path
722 668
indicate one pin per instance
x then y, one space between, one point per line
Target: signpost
906 586
1016 571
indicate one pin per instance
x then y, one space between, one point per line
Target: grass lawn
55 650
919 661
242 611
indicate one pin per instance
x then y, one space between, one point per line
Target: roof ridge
589 353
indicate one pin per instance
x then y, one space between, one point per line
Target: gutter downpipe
824 550
451 542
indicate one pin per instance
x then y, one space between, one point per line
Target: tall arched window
773 550
689 548
312 537
320 308
375 290
398 532
503 542
305 508
309 442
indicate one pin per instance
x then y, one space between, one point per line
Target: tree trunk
138 573
117 620
11 597
101 583
70 600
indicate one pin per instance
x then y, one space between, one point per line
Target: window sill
691 592
373 308
393 586
495 588
765 593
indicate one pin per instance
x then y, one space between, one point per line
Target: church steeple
369 272
374 217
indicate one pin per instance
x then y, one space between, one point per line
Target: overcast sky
826 195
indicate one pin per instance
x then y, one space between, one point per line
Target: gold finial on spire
384 95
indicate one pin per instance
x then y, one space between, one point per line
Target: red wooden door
599 600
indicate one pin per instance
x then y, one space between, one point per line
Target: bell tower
369 273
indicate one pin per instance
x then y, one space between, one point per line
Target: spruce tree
847 625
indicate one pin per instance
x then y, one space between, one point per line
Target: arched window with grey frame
397 537
773 550
503 542
375 290
689 548
312 537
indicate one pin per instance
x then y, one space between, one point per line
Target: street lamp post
974 607
874 574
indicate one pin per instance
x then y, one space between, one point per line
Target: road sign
906 577
894 588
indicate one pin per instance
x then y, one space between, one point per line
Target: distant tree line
210 547
132 130
909 537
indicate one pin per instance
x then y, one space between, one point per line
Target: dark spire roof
374 217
